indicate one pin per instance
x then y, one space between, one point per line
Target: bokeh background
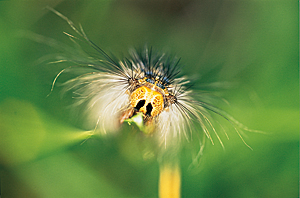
251 48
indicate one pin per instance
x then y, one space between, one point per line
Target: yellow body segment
153 97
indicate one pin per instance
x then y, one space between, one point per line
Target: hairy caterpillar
146 83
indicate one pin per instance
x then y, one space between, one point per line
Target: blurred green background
252 44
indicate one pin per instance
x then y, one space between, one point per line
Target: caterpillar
147 84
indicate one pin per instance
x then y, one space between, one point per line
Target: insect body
150 89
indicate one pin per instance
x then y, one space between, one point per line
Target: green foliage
253 44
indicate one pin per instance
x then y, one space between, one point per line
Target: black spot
149 109
150 81
140 104
160 86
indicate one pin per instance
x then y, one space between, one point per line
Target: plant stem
169 180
